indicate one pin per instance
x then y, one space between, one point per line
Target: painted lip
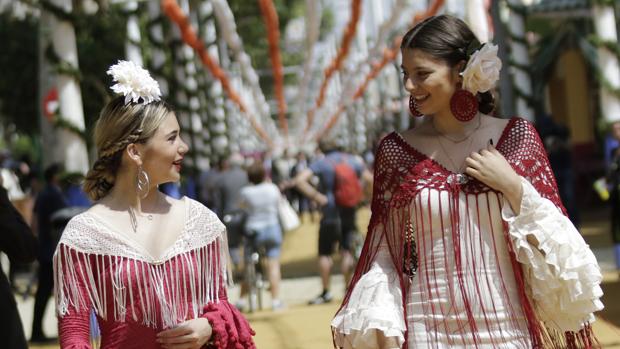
178 164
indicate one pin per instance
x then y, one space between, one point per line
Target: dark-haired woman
468 244
152 268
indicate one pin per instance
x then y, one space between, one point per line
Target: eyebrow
416 68
175 132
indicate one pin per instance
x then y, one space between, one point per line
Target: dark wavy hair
449 39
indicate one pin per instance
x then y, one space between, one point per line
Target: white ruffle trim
375 306
565 277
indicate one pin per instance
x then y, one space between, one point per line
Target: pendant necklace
457 176
134 219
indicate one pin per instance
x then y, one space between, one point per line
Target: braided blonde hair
118 126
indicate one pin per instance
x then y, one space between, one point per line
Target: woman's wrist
513 192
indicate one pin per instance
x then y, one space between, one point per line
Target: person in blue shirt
337 225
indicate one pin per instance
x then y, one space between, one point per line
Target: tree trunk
476 15
132 47
158 56
74 153
521 59
605 26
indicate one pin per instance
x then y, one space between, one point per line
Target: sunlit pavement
300 326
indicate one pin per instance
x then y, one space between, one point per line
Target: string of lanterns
270 16
172 9
347 38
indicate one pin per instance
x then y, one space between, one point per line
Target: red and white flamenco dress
134 295
479 283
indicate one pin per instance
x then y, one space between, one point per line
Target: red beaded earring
413 108
464 105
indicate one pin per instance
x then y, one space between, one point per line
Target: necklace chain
471 141
457 168
462 139
134 219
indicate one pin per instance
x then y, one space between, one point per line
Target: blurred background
267 80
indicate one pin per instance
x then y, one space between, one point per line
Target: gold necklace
456 141
458 168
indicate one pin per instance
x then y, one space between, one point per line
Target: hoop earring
413 108
143 183
464 105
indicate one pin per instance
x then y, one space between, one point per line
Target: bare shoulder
495 122
418 136
494 127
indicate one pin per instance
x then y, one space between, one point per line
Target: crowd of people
246 194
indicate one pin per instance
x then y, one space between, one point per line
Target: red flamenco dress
136 296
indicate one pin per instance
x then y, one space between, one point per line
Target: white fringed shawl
96 267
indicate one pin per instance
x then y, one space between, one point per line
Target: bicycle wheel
251 278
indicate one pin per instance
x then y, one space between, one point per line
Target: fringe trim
554 339
165 293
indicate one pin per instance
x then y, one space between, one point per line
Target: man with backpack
339 194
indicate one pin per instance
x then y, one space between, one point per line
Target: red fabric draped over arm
526 153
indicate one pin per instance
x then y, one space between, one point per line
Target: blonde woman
153 268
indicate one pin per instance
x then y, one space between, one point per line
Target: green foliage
24 145
327 23
19 84
101 43
251 29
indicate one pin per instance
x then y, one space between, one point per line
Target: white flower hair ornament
482 70
134 82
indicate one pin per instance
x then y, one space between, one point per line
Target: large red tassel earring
464 105
413 108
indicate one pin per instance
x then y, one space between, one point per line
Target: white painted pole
519 54
476 17
132 49
69 94
605 27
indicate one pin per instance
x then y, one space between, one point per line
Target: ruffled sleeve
230 328
374 313
562 271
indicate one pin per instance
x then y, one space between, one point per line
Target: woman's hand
491 168
191 334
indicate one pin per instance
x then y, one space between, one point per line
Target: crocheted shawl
401 172
96 267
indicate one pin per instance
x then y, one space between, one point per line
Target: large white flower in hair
482 70
134 82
